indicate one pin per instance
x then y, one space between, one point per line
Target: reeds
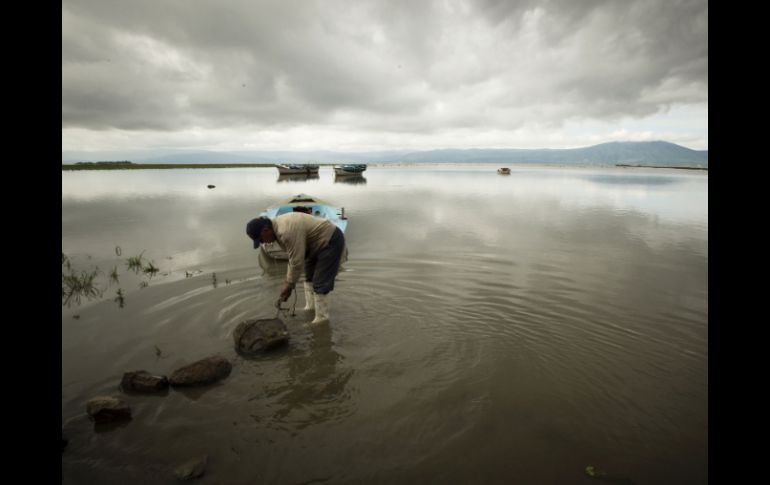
134 263
114 275
150 269
120 299
76 285
83 284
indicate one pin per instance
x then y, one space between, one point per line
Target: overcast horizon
156 77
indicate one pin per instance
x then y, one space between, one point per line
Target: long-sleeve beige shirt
302 236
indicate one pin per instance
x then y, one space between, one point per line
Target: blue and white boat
349 169
309 205
296 168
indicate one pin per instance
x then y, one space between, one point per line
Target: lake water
485 328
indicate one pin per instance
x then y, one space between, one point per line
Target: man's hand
286 291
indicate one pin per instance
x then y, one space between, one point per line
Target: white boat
296 168
309 205
349 169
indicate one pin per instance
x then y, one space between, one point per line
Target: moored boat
504 171
296 168
349 169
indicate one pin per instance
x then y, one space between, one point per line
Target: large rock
202 372
192 469
143 381
106 409
254 336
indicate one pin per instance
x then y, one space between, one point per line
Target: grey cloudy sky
382 74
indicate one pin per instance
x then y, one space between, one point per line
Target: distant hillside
653 153
657 153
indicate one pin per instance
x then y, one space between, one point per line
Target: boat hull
297 169
349 170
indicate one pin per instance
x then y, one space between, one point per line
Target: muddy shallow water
485 328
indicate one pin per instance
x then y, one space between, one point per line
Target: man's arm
294 238
286 290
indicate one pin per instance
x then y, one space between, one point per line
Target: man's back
302 235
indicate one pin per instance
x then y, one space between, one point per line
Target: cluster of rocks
251 338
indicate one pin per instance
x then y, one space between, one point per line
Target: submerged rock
204 371
254 336
107 409
192 469
143 381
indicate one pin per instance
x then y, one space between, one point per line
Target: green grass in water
134 263
78 285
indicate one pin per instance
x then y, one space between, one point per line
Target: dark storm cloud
380 65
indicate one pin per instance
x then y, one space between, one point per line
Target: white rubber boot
309 296
321 309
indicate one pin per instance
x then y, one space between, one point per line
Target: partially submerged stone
192 469
107 409
202 372
254 336
143 381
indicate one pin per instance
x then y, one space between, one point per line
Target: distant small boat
296 168
309 205
504 171
350 169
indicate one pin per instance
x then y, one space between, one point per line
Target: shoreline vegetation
127 165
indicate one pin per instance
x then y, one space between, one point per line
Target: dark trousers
322 269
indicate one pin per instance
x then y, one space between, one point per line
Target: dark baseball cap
254 228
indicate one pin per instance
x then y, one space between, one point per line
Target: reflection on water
350 179
301 177
196 393
110 427
314 391
484 328
640 180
